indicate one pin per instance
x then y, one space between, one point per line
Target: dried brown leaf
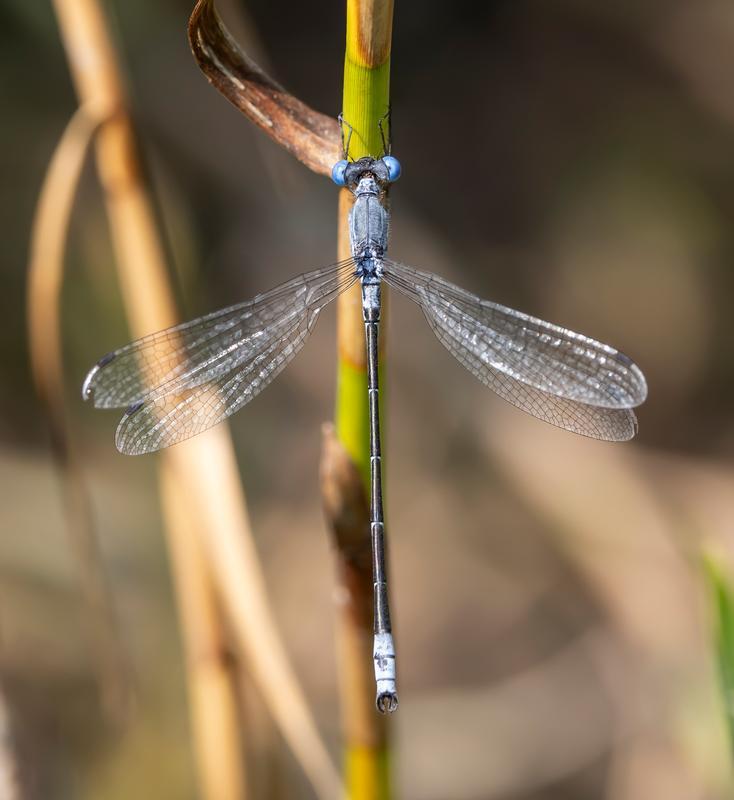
345 501
312 137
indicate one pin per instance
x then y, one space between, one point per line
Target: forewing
544 356
213 366
198 352
556 375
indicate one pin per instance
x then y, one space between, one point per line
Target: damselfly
181 381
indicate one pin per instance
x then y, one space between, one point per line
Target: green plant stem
365 102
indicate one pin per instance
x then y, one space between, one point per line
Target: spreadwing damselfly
181 381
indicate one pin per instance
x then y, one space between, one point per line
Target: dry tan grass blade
209 664
215 492
45 278
205 469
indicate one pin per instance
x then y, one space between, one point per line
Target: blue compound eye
393 168
338 173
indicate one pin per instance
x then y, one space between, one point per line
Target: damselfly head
384 170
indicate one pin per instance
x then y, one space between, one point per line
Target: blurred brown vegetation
568 159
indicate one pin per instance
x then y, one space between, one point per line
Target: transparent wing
181 381
554 374
195 352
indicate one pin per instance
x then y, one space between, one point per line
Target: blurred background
570 159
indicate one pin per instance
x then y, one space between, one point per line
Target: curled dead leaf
312 137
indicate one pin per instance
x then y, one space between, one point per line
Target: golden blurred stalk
149 304
45 278
204 506
215 725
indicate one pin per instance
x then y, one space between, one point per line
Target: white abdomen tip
384 657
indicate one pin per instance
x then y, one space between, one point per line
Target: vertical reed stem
365 102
